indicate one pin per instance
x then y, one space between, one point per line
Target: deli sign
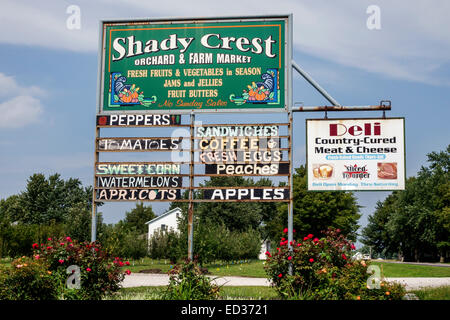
355 154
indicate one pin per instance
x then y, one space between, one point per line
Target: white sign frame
355 154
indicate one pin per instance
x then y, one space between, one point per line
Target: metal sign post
191 193
94 202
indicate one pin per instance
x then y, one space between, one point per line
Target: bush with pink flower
27 279
100 273
323 270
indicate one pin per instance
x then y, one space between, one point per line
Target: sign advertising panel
255 169
257 194
138 144
127 194
138 120
139 181
206 65
137 168
355 154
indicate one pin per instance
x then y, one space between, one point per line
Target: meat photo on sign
387 170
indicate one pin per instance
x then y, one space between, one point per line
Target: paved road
140 279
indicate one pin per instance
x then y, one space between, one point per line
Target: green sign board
203 65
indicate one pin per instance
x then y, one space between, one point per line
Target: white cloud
16 109
19 112
413 42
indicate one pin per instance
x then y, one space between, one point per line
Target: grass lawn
399 270
255 268
252 268
439 293
226 293
254 293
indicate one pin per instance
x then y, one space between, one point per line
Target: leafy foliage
416 221
166 245
316 211
186 282
27 279
46 200
120 241
101 274
136 218
322 270
211 242
235 216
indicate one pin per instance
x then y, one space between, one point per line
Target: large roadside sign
356 154
205 65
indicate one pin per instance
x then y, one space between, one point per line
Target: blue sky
48 77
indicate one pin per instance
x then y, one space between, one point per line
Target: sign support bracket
317 86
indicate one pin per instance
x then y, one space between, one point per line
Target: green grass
248 293
226 293
252 268
255 268
439 293
397 270
254 293
147 263
137 293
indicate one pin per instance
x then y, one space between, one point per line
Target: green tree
236 216
11 209
138 216
375 234
48 207
46 200
317 211
78 222
417 219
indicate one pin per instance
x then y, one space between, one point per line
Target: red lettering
367 129
334 128
355 130
377 128
339 129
